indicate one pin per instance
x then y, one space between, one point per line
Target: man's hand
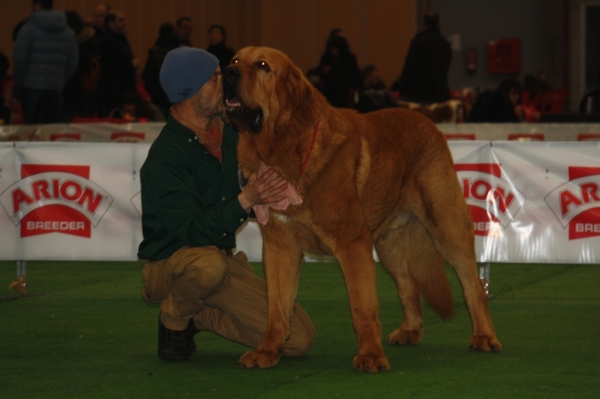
266 189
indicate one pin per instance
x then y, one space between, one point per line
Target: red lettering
18 197
466 188
503 201
40 189
589 190
70 190
92 202
55 188
567 198
480 189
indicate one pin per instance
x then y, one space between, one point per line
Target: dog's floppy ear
300 94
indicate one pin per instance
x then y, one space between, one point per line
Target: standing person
183 30
339 71
77 93
373 93
4 110
97 21
45 57
192 206
500 105
217 47
166 41
117 64
424 78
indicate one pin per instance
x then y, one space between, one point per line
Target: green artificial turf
90 335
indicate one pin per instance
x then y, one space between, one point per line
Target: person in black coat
500 105
117 65
424 77
167 40
217 47
339 72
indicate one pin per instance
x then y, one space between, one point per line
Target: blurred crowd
423 84
68 68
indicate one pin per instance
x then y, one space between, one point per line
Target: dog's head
262 89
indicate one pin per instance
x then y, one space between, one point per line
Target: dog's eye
264 65
235 61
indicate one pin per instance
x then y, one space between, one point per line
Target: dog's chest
305 238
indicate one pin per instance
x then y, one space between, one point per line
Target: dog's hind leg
449 222
409 256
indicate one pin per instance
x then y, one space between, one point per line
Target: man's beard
209 106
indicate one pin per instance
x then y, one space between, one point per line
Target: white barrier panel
68 201
83 132
536 202
532 202
147 132
521 131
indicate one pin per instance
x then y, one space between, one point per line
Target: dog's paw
405 337
485 343
259 359
371 363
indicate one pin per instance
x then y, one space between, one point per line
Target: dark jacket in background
339 74
45 55
222 52
151 74
424 78
117 75
492 106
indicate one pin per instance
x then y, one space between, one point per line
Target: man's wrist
244 202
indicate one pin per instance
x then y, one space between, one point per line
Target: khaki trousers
222 294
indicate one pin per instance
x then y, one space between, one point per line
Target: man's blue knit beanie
185 70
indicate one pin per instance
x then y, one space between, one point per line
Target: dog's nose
231 72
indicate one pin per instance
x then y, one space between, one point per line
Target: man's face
215 36
118 25
98 16
209 99
184 30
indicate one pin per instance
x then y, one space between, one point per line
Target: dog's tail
432 280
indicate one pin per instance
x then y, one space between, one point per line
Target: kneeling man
192 205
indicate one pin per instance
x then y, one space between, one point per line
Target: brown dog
385 179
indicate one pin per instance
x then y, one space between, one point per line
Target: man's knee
209 269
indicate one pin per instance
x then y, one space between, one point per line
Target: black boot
189 333
172 344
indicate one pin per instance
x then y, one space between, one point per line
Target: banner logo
576 203
55 199
493 202
127 137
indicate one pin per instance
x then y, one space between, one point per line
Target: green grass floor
90 335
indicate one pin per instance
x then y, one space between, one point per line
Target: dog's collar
312 144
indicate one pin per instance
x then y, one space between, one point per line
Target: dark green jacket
188 197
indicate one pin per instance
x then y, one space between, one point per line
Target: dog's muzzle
243 118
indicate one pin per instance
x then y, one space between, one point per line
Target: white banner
147 132
535 202
69 201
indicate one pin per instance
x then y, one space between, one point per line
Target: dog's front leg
282 260
356 260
